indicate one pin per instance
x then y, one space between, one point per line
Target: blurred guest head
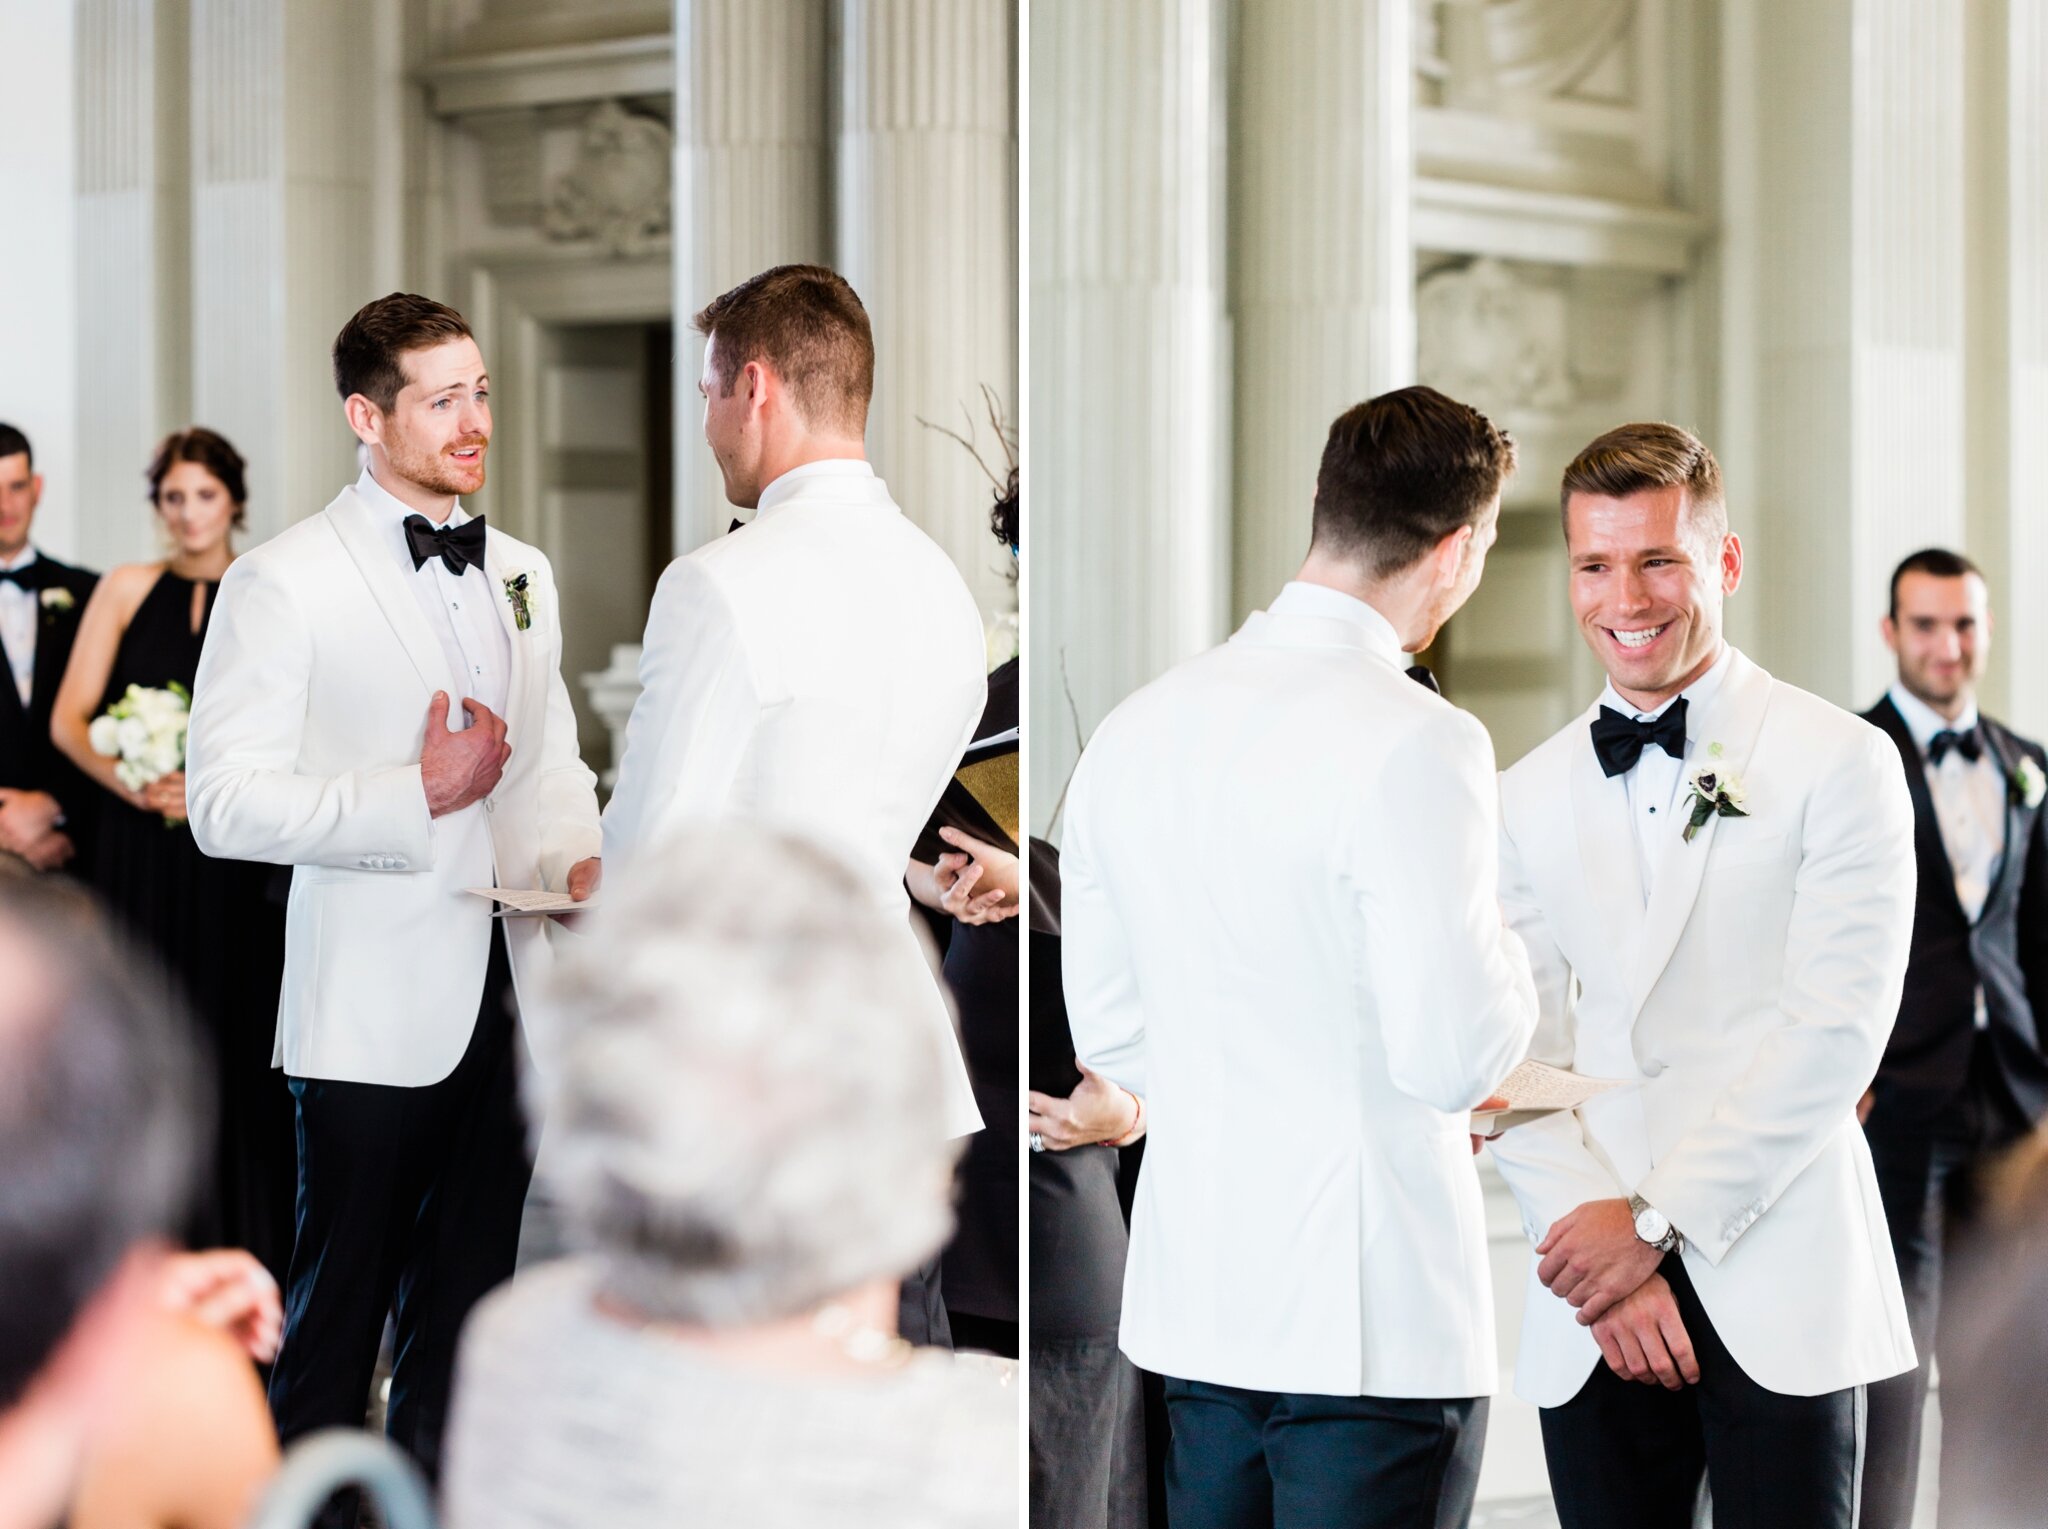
413 385
99 1095
1939 627
21 489
196 483
743 1103
1994 1353
789 367
1652 559
1407 503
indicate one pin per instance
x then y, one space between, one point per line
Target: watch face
1651 1224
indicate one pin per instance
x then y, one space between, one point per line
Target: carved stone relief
1495 337
618 191
1473 53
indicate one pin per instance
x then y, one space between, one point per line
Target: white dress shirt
1653 781
1969 799
459 611
18 611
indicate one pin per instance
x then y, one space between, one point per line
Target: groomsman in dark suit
46 805
1965 1074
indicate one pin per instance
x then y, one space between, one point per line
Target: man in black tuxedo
46 804
1965 1074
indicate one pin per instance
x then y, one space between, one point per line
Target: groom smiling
1713 874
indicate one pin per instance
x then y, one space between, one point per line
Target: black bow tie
1421 675
1619 741
29 578
458 546
1965 743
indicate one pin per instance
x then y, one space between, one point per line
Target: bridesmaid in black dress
212 921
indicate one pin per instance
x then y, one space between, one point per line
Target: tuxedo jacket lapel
1929 848
17 731
2002 750
1732 721
52 654
1607 851
519 703
366 540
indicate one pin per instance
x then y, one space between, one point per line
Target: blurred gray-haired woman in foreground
744 1134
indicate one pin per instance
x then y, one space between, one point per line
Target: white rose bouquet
145 732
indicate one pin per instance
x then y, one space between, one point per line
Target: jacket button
490 805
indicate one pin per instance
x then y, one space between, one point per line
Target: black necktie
1965 743
458 546
1619 741
1421 675
29 578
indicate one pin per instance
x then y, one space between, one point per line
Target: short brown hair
208 448
1402 471
807 324
1938 562
1632 458
368 351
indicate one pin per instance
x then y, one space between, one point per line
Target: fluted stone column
1127 432
282 231
2007 388
1322 280
133 324
751 189
1858 405
926 230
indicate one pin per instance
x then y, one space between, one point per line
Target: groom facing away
1713 874
1281 929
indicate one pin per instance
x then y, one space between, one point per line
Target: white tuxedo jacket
820 669
308 716
1280 927
1759 985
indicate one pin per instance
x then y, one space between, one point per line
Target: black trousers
1929 1186
406 1195
1625 1455
1244 1459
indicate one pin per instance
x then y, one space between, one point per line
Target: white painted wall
38 295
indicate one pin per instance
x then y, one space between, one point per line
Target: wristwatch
1653 1226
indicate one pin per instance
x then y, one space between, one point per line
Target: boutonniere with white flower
2029 786
519 590
1712 793
57 599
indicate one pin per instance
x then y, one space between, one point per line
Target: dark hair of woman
210 450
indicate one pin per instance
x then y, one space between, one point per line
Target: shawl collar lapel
519 704
1733 720
1607 852
1928 846
366 539
2006 752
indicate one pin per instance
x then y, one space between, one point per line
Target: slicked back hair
13 442
1634 458
1402 471
1938 561
808 326
369 351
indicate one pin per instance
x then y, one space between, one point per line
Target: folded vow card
514 903
1536 1089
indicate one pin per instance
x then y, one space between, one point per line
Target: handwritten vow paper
1536 1089
513 903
